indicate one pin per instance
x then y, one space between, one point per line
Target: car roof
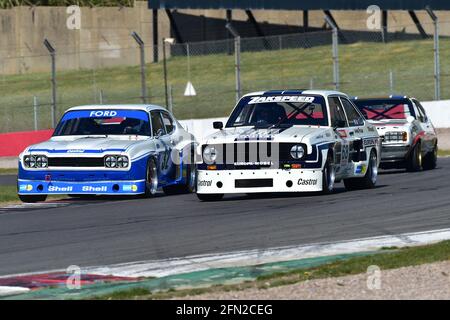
144 107
296 91
392 96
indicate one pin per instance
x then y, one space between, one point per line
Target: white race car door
429 134
340 125
163 147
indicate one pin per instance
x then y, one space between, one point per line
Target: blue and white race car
110 150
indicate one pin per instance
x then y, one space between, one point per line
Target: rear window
385 109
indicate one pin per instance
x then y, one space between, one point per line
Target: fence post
52 52
391 81
139 41
237 58
335 40
170 99
35 104
437 71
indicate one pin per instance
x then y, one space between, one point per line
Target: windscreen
385 109
279 111
104 122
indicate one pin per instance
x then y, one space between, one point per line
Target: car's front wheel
151 178
32 198
415 158
370 178
328 175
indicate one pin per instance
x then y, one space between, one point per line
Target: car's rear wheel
210 196
151 178
188 187
370 178
430 160
32 198
328 175
414 162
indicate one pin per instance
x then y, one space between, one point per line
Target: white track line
165 267
9 291
253 257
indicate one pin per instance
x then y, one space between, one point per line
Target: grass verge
4 171
443 153
385 259
8 194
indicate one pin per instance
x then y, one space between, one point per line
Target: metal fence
199 80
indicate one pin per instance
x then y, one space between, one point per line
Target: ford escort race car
110 150
289 141
409 139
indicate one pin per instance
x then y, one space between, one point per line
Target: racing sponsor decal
345 153
94 189
103 113
307 182
280 99
370 142
204 183
255 163
25 187
60 189
360 169
132 187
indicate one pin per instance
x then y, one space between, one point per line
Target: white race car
110 150
289 141
409 138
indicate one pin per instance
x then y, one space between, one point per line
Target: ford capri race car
289 141
110 150
408 136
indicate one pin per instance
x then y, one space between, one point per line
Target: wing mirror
159 133
218 125
339 124
410 119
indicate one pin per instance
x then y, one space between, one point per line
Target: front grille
75 162
253 183
253 155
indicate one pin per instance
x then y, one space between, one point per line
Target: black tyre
328 175
32 198
210 197
369 180
189 187
414 162
430 160
151 178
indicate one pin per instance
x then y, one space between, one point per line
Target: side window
168 122
353 116
337 114
157 124
422 114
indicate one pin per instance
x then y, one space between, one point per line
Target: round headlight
30 161
209 154
122 161
110 162
41 162
297 151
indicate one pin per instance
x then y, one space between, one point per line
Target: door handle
351 133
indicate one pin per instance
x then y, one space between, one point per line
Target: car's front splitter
33 187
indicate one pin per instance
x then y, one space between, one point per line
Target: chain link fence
201 77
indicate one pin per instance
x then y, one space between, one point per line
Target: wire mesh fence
201 79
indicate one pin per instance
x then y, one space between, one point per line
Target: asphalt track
8 180
106 231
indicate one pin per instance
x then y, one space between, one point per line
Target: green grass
364 69
8 194
385 259
443 153
8 171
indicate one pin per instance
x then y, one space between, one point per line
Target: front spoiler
120 187
224 181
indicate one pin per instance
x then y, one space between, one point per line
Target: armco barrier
13 143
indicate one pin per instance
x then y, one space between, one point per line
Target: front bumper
119 187
256 181
394 153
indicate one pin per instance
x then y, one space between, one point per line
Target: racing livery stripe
76 150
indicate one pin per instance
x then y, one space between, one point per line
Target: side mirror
339 124
159 133
410 119
218 125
